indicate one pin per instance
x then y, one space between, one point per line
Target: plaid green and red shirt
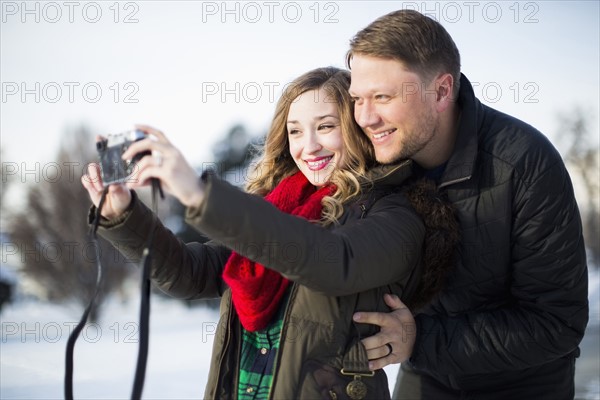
257 357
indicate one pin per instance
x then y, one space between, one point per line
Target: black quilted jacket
515 308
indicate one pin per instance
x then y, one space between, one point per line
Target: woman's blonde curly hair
274 162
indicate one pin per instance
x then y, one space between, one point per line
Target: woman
328 238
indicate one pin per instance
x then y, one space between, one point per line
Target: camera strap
75 333
140 371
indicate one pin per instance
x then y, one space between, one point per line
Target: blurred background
208 74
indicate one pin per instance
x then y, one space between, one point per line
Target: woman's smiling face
315 135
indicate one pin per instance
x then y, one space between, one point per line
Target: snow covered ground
34 335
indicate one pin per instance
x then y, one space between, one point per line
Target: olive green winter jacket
376 249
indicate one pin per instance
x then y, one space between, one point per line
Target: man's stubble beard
413 143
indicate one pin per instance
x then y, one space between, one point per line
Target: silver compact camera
114 168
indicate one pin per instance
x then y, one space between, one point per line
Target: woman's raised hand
167 164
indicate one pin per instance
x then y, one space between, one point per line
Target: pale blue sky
530 59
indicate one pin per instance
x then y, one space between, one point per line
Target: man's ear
444 85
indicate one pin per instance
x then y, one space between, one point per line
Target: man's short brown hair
422 44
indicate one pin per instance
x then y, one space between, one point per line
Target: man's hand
395 341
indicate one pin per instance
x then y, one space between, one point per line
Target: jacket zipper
284 326
466 178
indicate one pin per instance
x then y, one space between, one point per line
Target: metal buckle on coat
356 389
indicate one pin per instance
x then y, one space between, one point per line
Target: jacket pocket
320 380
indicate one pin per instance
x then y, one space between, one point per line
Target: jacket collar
461 165
390 174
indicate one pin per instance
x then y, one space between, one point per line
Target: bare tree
6 284
52 233
582 157
5 180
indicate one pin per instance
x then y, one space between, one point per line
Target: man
514 309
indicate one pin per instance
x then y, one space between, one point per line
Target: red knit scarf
256 290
